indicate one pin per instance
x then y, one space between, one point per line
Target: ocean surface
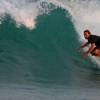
38 50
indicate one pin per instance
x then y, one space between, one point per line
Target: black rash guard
94 39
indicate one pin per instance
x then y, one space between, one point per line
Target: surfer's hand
85 55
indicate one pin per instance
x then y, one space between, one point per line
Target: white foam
24 12
20 12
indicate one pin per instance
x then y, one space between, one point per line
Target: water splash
24 12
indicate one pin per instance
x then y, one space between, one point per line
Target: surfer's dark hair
87 31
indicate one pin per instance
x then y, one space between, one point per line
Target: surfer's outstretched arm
89 50
84 45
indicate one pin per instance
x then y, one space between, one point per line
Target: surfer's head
87 34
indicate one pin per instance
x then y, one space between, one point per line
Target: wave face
38 50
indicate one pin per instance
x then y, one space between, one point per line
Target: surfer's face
86 35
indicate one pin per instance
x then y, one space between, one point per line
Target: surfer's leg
93 52
96 52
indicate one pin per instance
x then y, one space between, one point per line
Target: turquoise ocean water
43 63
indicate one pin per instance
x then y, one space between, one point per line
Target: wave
44 55
84 14
34 56
38 58
50 45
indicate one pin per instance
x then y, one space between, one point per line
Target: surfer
94 42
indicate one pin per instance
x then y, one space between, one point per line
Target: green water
45 57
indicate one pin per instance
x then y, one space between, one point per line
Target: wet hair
87 31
